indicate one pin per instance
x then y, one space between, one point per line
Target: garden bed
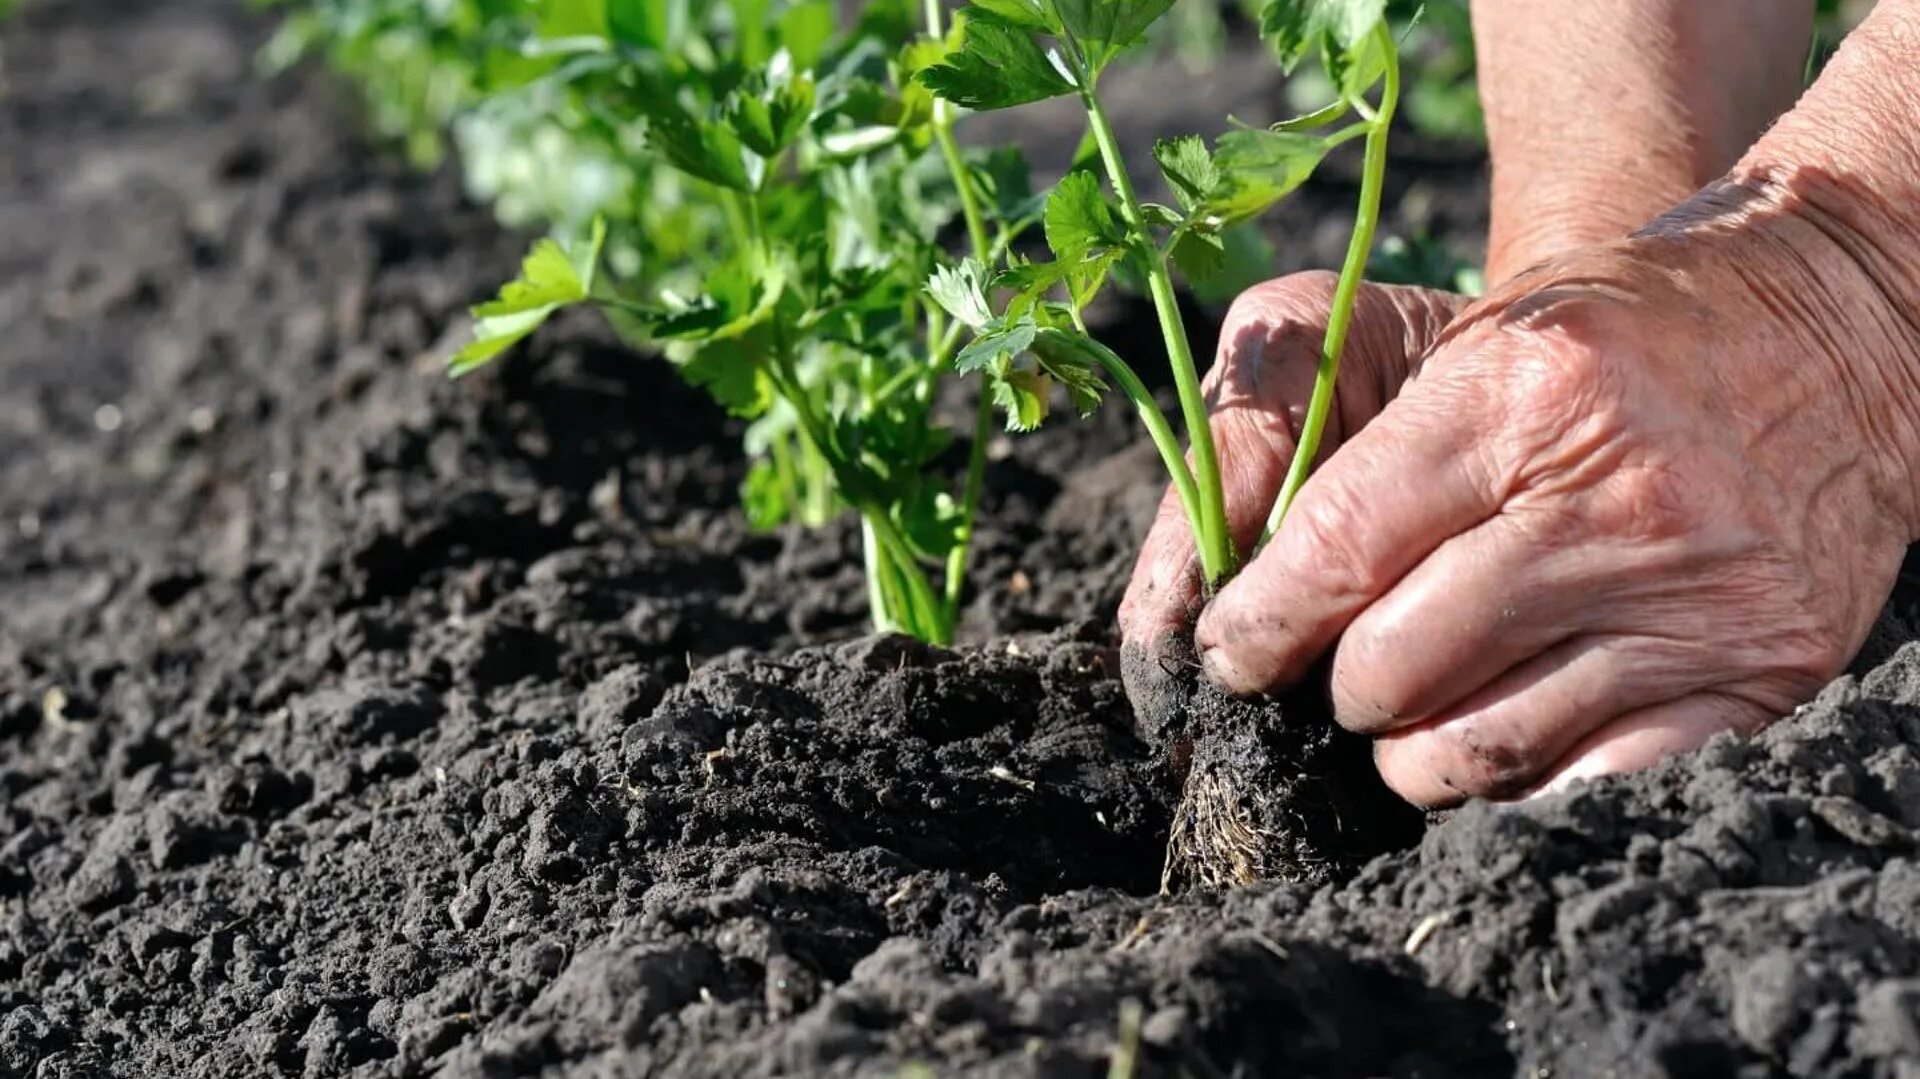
353 722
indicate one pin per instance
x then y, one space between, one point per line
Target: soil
357 723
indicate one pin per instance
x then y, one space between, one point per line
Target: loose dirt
357 723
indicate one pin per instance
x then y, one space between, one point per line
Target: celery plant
1015 52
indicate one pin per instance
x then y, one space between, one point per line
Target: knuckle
1563 393
1298 297
1329 527
1649 501
1276 323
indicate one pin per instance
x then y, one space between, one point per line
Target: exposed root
1268 796
1222 836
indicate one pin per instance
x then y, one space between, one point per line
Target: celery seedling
1014 52
1233 823
831 173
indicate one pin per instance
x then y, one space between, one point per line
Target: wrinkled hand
1257 393
1646 493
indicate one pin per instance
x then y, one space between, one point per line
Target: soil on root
1276 791
352 723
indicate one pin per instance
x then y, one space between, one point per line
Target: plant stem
923 614
956 578
1158 429
1211 538
969 505
1347 292
878 602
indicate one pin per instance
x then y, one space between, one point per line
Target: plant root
1275 792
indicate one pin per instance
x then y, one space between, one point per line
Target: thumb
1258 390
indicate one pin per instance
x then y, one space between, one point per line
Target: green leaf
997 66
1025 14
961 291
1083 379
1199 256
1258 168
550 278
769 121
1000 340
736 298
1106 28
573 18
806 29
1248 259
731 370
646 24
1007 180
1079 220
1336 27
1189 169
930 519
710 151
765 497
1025 396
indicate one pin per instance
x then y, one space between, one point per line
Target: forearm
1602 115
1838 180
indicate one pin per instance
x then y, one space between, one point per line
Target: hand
1257 391
1649 492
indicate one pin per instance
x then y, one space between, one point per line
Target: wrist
1686 88
1827 267
1840 176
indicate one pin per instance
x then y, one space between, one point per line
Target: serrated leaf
1199 256
1029 283
732 371
1025 396
1299 27
1084 381
1105 28
1354 68
962 292
710 151
999 340
997 66
735 299
1258 168
1189 169
769 119
1079 219
550 278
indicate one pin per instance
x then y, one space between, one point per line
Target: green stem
956 577
1347 292
878 602
1211 537
923 611
969 505
1158 429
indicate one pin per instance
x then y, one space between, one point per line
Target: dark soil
357 723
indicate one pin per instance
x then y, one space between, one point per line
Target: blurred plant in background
757 190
